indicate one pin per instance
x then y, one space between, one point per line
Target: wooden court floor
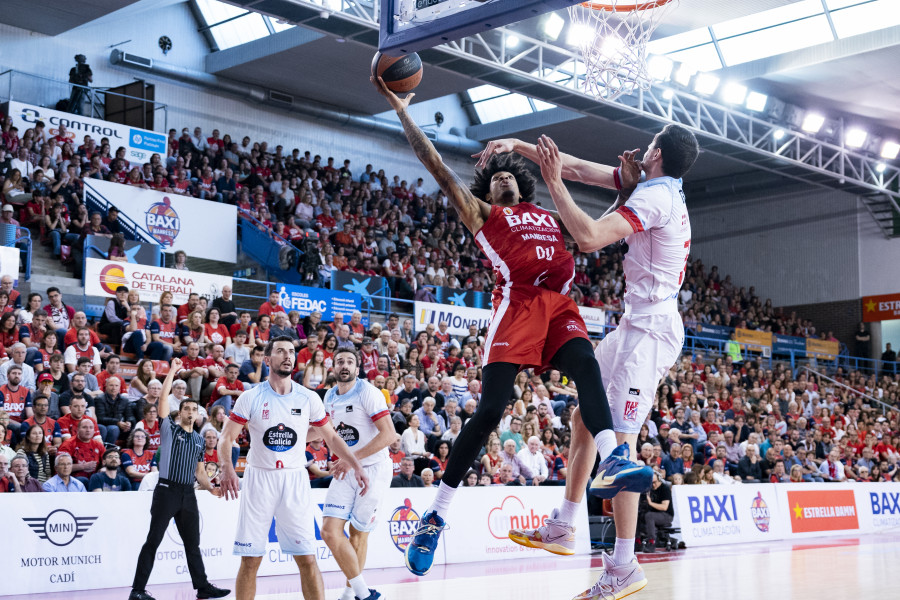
815 569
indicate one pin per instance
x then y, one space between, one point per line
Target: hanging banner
754 340
202 228
822 348
102 277
785 344
367 286
881 308
458 318
140 144
306 299
462 297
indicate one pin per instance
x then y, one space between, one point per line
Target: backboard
413 25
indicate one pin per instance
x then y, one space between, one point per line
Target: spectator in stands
271 305
413 441
406 477
660 512
6 451
138 459
51 429
17 353
254 370
673 462
114 412
227 389
82 349
110 478
514 434
532 457
164 335
749 468
225 305
35 450
16 400
519 470
22 479
831 468
63 480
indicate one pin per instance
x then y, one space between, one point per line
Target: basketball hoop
615 52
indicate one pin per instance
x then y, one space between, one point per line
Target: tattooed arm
472 211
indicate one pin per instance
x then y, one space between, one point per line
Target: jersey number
687 246
545 253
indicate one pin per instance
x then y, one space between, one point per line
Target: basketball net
615 54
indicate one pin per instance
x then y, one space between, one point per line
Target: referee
180 464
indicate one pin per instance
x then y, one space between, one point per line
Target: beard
345 376
286 373
509 195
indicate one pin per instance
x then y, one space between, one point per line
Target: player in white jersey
361 418
278 414
652 218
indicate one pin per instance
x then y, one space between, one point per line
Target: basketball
400 74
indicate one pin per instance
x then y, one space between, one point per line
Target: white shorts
280 494
343 499
633 359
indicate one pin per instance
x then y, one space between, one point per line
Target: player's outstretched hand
630 168
396 102
492 148
362 480
231 485
217 492
551 163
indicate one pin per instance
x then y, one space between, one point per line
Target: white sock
348 594
360 589
441 504
567 511
623 553
606 442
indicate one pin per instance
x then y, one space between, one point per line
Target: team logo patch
265 414
507 211
280 438
634 392
163 222
111 277
349 409
296 411
349 434
631 410
759 511
403 524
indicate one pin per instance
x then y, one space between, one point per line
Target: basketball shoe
616 582
373 595
420 550
618 474
553 536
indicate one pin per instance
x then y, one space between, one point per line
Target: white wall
795 248
879 258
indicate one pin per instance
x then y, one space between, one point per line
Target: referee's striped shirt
179 453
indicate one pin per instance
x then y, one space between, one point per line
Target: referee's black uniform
180 451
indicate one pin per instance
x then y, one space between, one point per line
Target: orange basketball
400 74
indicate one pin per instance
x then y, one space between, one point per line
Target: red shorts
529 325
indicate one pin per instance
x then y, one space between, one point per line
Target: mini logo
172 529
759 512
507 211
163 222
403 524
60 527
634 392
349 409
111 277
631 408
296 411
265 414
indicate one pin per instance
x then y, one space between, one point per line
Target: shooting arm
573 169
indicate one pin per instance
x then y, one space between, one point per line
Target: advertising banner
458 318
9 262
67 542
306 299
364 285
822 348
878 506
135 252
821 510
714 331
881 308
785 344
722 514
202 228
462 297
102 277
754 340
594 318
140 144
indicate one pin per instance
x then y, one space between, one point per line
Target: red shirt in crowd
68 426
90 451
320 457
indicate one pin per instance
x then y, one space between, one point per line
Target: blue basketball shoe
618 474
420 550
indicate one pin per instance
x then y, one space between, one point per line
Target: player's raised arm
589 234
573 168
472 211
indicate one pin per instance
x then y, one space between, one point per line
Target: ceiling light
734 93
552 26
880 167
778 134
660 68
512 41
756 101
579 34
668 94
890 150
706 84
812 123
684 73
855 138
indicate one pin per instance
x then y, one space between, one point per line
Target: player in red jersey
533 322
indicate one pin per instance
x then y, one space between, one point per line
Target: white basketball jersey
659 247
278 424
353 416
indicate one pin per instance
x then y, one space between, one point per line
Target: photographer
79 76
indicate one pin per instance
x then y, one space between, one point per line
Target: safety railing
277 255
872 400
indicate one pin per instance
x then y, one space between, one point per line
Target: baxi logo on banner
306 300
140 144
722 514
402 524
202 228
822 510
102 277
458 318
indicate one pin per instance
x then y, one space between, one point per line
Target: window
232 26
492 103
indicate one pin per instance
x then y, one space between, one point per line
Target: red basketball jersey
525 246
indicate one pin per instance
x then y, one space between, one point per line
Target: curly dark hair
510 163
